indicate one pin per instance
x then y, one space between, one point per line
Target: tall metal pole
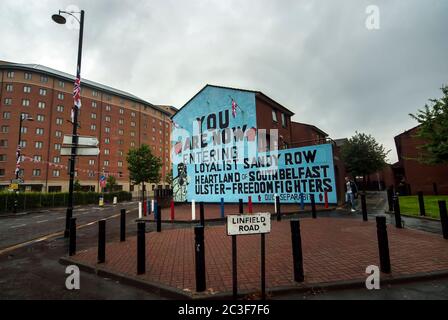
75 135
18 155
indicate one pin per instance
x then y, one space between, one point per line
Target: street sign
244 224
67 151
82 141
13 186
17 181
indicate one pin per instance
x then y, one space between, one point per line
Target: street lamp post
58 18
19 155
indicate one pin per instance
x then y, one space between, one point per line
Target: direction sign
13 186
82 141
245 224
17 181
67 151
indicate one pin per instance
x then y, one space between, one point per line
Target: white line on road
19 226
60 218
38 216
42 221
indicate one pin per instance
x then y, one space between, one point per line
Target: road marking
60 218
38 216
42 221
19 226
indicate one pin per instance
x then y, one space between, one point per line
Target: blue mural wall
216 154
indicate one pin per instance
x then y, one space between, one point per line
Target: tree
363 155
169 177
77 186
433 129
111 183
143 166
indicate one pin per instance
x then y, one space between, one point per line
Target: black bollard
313 206
201 213
101 241
72 237
159 219
364 207
443 218
297 256
123 225
421 203
200 258
397 212
141 250
390 197
383 244
241 206
279 211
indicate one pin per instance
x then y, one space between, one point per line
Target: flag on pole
76 97
234 107
103 181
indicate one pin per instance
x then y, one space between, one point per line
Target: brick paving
182 212
334 250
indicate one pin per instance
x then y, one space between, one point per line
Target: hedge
35 200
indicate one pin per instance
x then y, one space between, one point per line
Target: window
106 163
133 114
28 76
132 144
121 111
24 129
10 74
132 124
3 157
61 84
59 121
93 127
36 172
23 143
120 132
60 108
58 134
6 115
94 105
56 159
283 120
8 101
91 174
25 102
39 131
9 88
108 108
106 151
56 173
37 158
121 121
107 129
43 92
120 142
107 118
39 145
57 146
274 116
26 89
95 93
60 96
93 115
91 162
132 133
41 105
120 153
43 79
3 143
2 172
107 141
120 164
5 129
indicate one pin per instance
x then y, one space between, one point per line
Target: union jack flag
234 107
103 181
77 92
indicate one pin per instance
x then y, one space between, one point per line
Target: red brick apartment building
411 176
119 120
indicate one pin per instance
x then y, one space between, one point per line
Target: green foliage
169 177
363 155
409 205
111 183
77 185
433 121
143 166
36 200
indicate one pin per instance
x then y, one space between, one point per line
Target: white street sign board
82 141
245 224
67 151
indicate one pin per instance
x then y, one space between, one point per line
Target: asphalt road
32 270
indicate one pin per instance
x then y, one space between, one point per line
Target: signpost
259 223
86 146
82 141
80 151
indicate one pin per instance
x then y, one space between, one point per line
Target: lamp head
58 19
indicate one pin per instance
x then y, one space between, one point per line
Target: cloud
315 57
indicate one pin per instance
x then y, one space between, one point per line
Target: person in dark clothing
351 191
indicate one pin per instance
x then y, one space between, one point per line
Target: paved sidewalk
335 250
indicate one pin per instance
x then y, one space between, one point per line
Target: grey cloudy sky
315 57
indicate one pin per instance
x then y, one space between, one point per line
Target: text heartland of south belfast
218 152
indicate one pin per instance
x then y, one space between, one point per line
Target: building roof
340 142
68 77
258 94
407 131
311 126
